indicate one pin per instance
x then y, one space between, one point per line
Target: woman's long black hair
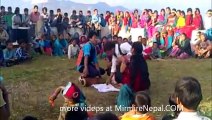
138 65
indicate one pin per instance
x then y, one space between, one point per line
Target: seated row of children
185 98
12 56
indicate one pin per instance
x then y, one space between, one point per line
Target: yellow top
180 22
132 116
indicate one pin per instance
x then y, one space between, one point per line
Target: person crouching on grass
140 107
87 62
73 97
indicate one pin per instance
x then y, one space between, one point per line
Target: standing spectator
208 20
208 24
2 14
58 21
107 17
168 12
45 29
103 21
66 22
3 36
34 17
96 21
197 20
26 18
51 17
74 19
88 19
81 20
16 23
8 20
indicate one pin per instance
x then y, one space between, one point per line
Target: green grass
31 83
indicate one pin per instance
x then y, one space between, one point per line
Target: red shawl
197 21
189 19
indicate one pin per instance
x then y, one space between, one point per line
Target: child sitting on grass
73 97
155 51
22 53
203 47
9 55
140 108
73 50
47 48
188 96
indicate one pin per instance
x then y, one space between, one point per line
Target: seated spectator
106 116
21 53
3 36
135 71
147 50
4 102
73 97
37 46
9 55
142 100
155 51
203 47
195 41
188 98
73 50
182 48
83 41
59 46
87 62
47 48
29 118
63 42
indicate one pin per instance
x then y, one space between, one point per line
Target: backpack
80 58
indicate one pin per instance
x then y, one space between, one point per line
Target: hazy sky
131 4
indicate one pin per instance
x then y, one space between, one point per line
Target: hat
71 91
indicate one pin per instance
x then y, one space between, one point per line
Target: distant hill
68 6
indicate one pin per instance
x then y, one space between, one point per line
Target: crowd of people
168 34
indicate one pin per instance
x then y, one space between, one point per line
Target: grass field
31 83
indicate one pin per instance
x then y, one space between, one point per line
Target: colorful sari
144 20
197 22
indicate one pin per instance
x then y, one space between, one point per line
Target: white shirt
191 116
72 51
16 19
208 22
125 49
